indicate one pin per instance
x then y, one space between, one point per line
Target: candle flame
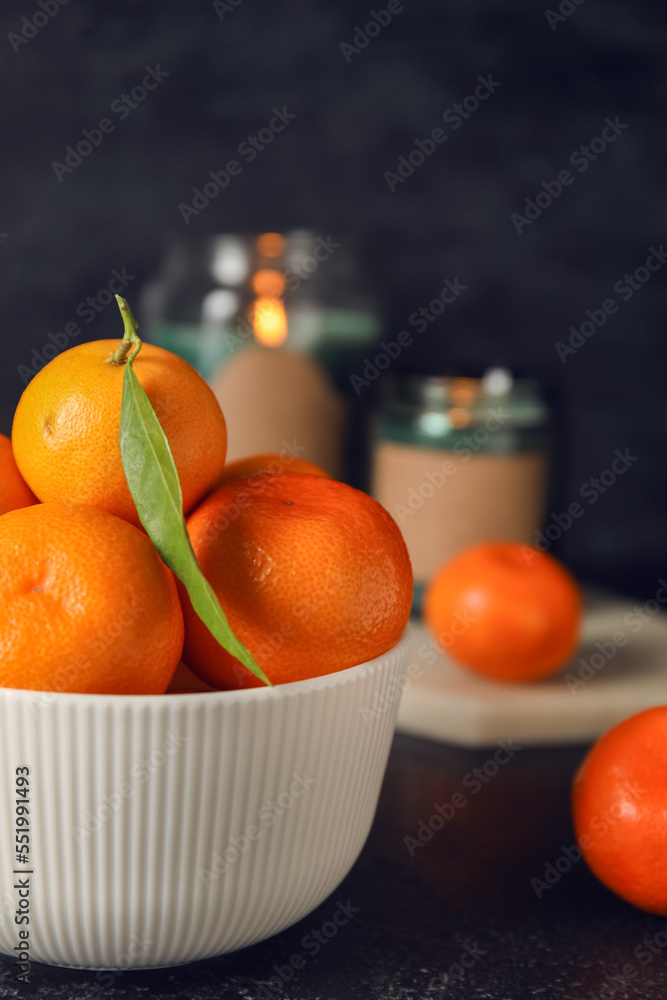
271 244
269 321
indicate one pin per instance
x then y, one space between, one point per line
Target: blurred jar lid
470 398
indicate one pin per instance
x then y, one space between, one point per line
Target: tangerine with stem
66 426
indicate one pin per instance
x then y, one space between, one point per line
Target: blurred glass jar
275 323
461 460
214 295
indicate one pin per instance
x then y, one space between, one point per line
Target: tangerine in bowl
147 828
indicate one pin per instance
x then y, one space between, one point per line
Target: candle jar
215 295
275 323
461 460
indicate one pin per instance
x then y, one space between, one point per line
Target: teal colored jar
461 460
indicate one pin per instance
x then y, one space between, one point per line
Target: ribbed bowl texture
178 827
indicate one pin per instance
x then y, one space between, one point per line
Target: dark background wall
452 217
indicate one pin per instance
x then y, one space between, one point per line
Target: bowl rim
228 696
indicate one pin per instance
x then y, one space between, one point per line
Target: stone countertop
489 902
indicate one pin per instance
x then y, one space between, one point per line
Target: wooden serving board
619 669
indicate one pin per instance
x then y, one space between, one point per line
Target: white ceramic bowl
177 827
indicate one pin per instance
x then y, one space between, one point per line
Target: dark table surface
467 914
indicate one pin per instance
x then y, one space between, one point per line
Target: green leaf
153 481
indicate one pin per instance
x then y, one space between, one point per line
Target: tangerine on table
14 491
66 426
505 610
313 575
619 804
87 604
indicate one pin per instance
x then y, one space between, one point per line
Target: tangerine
66 426
267 462
504 610
313 575
87 604
14 491
619 804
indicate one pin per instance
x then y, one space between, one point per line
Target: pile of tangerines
313 576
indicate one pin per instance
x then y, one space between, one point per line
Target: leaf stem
130 337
